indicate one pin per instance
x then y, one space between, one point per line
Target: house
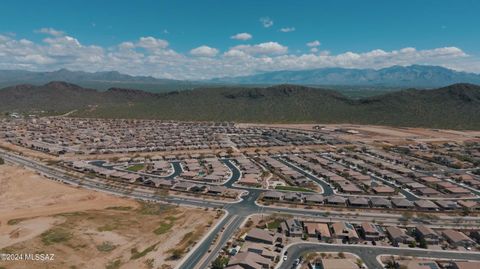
184 186
350 188
457 239
335 200
466 265
249 180
384 190
358 202
345 231
216 190
248 260
319 230
294 227
80 165
429 179
324 231
427 192
293 197
427 234
261 249
311 228
198 188
398 236
471 205
158 182
380 202
260 236
402 203
426 205
447 205
314 199
371 232
273 195
132 178
458 191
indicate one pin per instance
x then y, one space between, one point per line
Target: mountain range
96 80
423 76
419 76
454 107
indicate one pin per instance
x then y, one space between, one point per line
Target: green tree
2 161
264 174
392 264
465 211
359 263
219 263
423 242
177 254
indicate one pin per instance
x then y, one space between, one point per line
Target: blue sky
193 39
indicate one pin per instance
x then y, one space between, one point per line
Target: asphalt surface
236 174
224 232
177 168
327 189
237 212
369 254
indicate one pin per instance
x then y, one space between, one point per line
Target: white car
284 257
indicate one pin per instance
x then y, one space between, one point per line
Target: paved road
177 169
327 189
230 229
237 212
236 174
203 248
369 253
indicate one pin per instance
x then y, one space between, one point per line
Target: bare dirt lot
369 133
27 152
87 229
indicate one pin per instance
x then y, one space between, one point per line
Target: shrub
56 235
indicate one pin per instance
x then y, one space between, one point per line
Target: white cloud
261 49
204 51
287 29
151 56
266 22
151 43
236 53
314 43
50 31
242 36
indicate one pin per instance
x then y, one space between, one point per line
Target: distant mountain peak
61 85
129 92
420 76
24 87
62 70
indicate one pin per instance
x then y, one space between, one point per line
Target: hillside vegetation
456 106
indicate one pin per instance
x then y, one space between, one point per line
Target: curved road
369 254
177 169
237 212
327 189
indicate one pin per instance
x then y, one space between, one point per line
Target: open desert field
370 133
87 229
